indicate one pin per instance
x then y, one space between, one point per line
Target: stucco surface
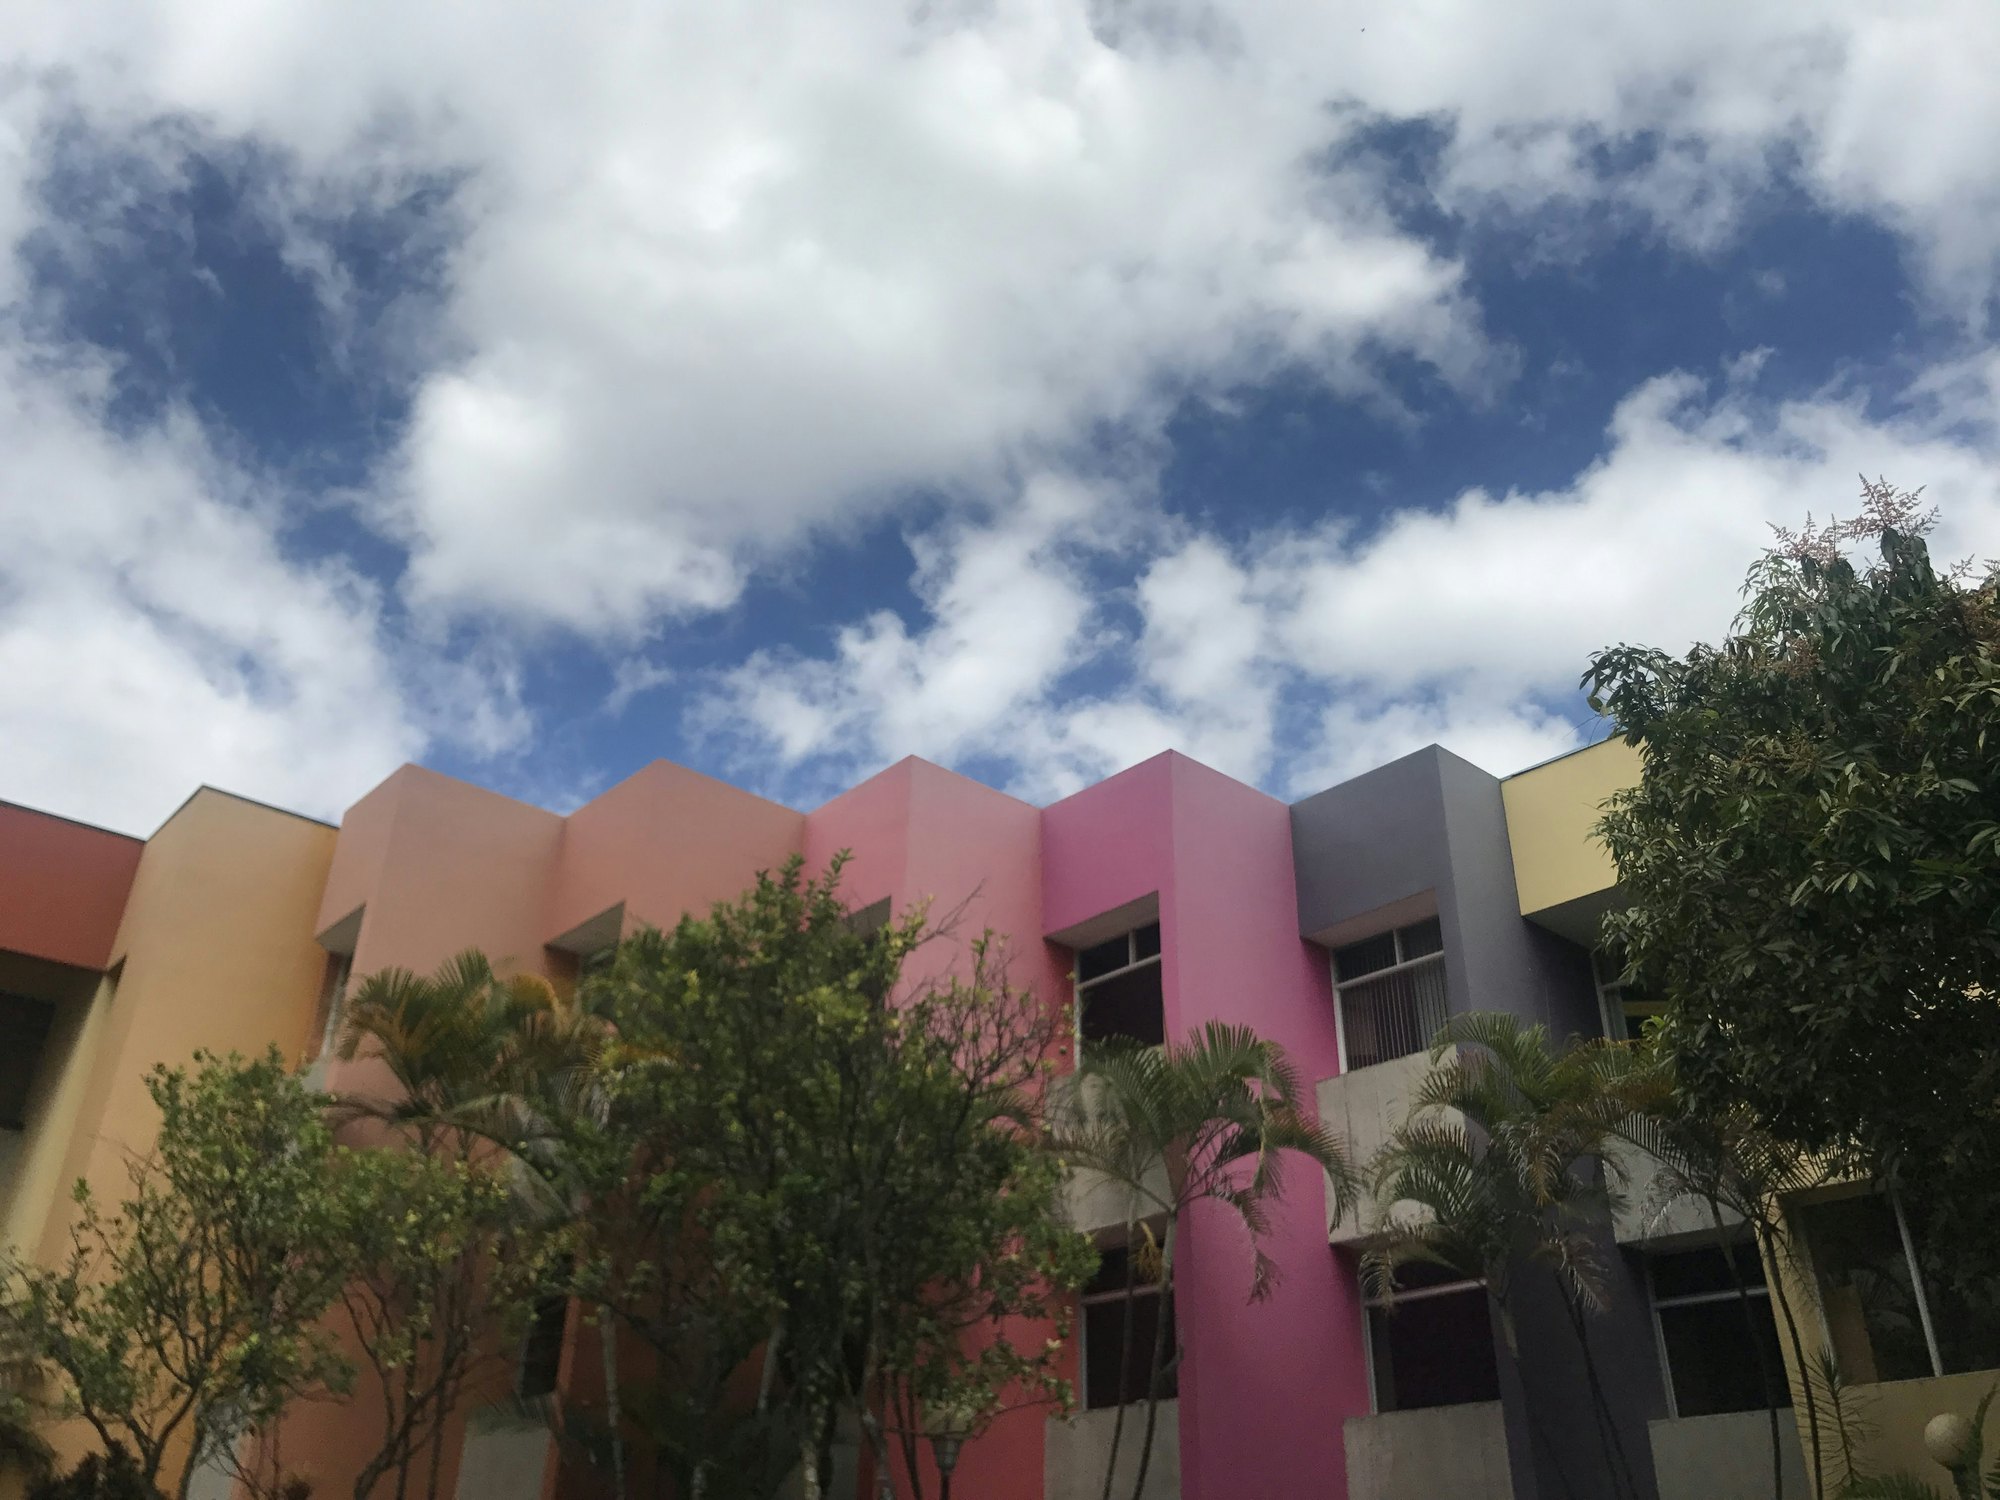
63 886
1726 1457
1080 1448
1550 812
1458 1452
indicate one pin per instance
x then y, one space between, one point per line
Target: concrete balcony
1726 1457
1362 1108
506 1455
1077 1449
1456 1451
1645 1215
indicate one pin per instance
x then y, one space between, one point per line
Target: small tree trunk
607 1343
809 1462
1768 1246
1160 1321
1124 1364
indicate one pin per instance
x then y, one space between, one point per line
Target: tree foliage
1811 860
1210 1119
190 1312
811 1154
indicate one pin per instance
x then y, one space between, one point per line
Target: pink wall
921 833
1263 1387
666 841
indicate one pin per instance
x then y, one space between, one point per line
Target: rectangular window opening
1719 1344
1624 1006
1430 1342
1119 996
1389 994
1893 1311
24 1033
1115 1367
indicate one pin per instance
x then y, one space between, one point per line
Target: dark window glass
24 1029
541 1350
1433 1351
1102 959
1104 1341
864 920
1128 1006
1421 939
1364 957
1865 1289
1689 1273
1712 1354
1146 941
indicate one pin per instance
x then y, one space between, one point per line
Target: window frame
1370 1303
1919 1288
1133 963
1400 966
1611 992
1654 1302
1087 1299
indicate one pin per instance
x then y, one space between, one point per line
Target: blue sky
1030 386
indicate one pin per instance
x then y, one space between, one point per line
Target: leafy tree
810 1156
453 1251
1811 861
191 1312
1211 1119
111 1475
448 1273
1507 1156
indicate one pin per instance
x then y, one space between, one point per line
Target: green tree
190 1313
1506 1159
812 1156
448 1272
454 1253
1212 1119
1811 862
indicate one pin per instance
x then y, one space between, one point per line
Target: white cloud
1467 625
154 636
722 280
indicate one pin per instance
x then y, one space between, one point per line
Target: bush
101 1476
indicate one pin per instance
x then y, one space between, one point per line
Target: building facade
1346 927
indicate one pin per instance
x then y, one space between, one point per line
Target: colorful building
1347 927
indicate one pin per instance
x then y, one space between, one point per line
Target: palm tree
1209 1119
1730 1165
481 1060
1504 1163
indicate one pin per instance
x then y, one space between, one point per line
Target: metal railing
1392 1013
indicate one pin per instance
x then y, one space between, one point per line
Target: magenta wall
920 833
1264 1387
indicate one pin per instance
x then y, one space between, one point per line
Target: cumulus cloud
1301 657
154 634
717 282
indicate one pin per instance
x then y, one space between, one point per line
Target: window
1118 994
1430 1342
333 1000
1625 1006
1892 1312
24 1030
1114 1367
1718 1352
1389 994
541 1348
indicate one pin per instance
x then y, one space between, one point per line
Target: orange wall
666 841
62 886
217 953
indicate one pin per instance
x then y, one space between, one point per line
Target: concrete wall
1364 1107
1560 868
63 886
503 1460
1726 1457
1077 1451
1458 1452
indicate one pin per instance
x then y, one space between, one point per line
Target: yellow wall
1550 812
217 953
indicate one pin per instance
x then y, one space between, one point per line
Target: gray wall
1446 1453
1434 823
